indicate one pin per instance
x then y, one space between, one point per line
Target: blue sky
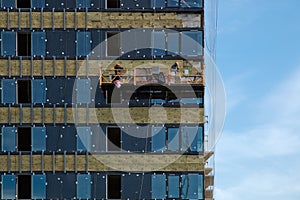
258 55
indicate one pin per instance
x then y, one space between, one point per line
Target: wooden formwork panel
70 20
48 162
81 162
25 19
58 20
36 20
15 115
26 115
47 20
80 19
71 68
37 115
3 21
59 162
15 67
3 115
25 163
13 20
70 162
26 67
14 163
48 115
37 163
4 67
49 67
37 68
60 68
59 115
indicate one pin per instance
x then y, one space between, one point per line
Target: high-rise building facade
103 99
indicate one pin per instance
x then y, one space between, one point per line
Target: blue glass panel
173 186
8 138
158 3
83 43
173 3
191 3
192 100
158 186
192 186
8 91
83 186
83 3
158 43
158 101
197 144
38 190
38 3
7 3
191 43
173 139
173 43
158 138
83 91
38 138
188 135
38 40
84 138
38 91
8 187
8 44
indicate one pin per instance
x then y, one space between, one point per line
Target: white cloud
263 161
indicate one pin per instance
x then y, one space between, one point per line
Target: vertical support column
64 19
43 114
9 68
75 19
9 115
42 19
86 19
8 19
31 114
100 75
30 161
134 76
20 162
76 115
53 162
87 66
65 161
52 19
43 161
19 18
75 162
21 67
20 114
54 66
31 64
43 67
87 114
8 162
54 114
65 114
65 66
87 162
76 64
30 19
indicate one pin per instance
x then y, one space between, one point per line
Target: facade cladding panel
40 55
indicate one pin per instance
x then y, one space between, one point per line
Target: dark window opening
113 44
113 139
113 186
23 4
113 96
24 91
113 3
24 187
24 138
24 44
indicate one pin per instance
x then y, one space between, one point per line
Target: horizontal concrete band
39 115
97 20
103 162
69 67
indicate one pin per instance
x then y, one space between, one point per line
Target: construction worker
174 67
117 77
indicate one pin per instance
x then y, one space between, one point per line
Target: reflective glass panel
38 186
158 138
84 138
8 187
173 139
158 186
83 186
8 138
38 138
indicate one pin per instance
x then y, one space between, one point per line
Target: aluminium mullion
52 19
53 162
21 66
65 66
42 19
54 114
31 67
21 114
20 162
8 162
54 66
9 68
8 19
30 19
64 19
30 161
65 161
19 18
75 162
